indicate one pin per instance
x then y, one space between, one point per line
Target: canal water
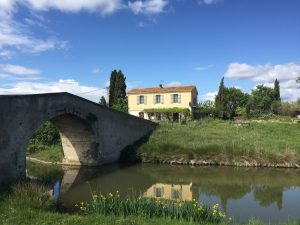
268 194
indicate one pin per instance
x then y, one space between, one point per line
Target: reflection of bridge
90 134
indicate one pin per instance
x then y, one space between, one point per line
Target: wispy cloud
148 7
202 68
174 84
101 6
208 2
97 71
16 36
17 72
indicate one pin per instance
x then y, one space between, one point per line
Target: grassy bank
30 204
52 153
262 143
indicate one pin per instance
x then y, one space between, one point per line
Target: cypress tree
220 101
112 84
277 91
117 88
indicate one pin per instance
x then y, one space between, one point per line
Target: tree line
232 102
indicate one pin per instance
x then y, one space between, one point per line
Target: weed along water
267 194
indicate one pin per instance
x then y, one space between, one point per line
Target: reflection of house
170 191
182 97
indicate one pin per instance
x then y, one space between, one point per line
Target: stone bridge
91 134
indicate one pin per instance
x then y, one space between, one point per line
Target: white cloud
202 68
16 69
17 72
6 53
263 73
148 7
208 2
266 74
16 35
97 71
174 84
70 85
101 6
210 96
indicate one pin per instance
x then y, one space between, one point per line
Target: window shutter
179 98
154 99
145 100
137 100
162 99
172 99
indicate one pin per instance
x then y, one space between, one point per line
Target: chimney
160 86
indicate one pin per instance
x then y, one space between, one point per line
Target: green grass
263 142
152 208
52 153
31 204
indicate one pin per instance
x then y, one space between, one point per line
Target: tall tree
220 101
277 91
112 85
235 98
261 100
103 101
117 90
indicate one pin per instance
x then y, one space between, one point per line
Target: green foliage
151 208
220 101
47 134
234 98
261 100
121 105
52 153
277 91
184 111
45 143
102 101
117 88
289 108
204 109
169 112
28 194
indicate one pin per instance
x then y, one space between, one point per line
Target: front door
141 115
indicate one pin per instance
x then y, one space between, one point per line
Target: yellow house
142 100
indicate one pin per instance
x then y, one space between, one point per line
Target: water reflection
267 194
182 192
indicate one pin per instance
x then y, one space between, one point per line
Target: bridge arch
77 137
91 134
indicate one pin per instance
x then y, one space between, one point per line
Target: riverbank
213 142
32 204
216 142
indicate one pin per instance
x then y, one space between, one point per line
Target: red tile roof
162 90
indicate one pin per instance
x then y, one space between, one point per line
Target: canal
267 194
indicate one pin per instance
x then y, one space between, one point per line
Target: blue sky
66 45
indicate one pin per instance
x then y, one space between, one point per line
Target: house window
158 99
159 192
175 98
141 99
176 194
